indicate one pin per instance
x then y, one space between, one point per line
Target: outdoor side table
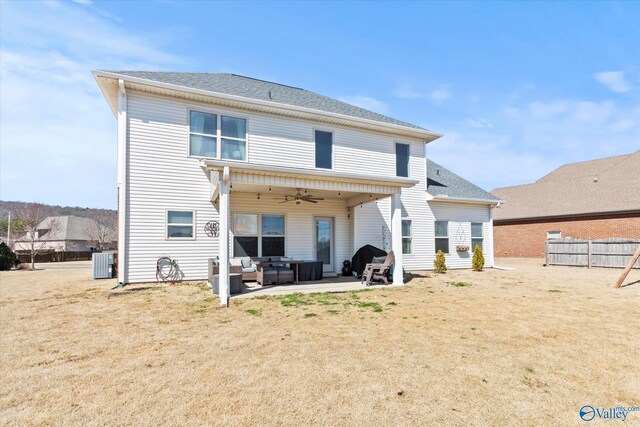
285 275
235 283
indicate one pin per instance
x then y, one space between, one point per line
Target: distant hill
8 206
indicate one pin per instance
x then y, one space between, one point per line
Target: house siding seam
524 238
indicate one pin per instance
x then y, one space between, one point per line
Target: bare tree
98 231
38 231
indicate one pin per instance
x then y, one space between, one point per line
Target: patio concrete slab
332 284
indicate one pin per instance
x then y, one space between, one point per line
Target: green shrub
478 259
8 259
439 265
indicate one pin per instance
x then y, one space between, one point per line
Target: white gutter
122 183
308 173
421 133
444 198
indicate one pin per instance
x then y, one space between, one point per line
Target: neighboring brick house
593 199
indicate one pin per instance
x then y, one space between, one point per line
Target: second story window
402 160
215 136
234 138
324 149
203 135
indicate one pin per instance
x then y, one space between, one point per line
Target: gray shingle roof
442 182
610 184
233 84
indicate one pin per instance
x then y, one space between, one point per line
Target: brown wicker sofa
245 265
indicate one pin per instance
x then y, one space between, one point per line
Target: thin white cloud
479 123
440 94
53 118
404 92
545 110
614 81
366 102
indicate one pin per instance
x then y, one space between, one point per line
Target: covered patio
319 229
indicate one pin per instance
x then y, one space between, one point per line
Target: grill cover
363 256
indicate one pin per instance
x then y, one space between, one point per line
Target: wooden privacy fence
614 253
56 256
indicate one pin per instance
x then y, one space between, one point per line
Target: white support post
396 238
224 210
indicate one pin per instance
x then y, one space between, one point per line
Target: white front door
324 243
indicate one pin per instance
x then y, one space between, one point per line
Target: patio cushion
237 262
246 262
248 269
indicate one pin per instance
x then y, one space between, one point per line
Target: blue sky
516 88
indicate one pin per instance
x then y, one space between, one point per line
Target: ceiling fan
301 198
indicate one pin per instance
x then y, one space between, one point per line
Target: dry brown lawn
525 347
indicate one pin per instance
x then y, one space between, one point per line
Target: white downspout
123 256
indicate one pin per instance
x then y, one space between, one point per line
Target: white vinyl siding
285 142
161 175
460 217
372 218
371 221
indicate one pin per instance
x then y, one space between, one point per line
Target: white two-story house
282 172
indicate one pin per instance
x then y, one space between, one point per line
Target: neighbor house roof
67 227
260 90
443 184
597 186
